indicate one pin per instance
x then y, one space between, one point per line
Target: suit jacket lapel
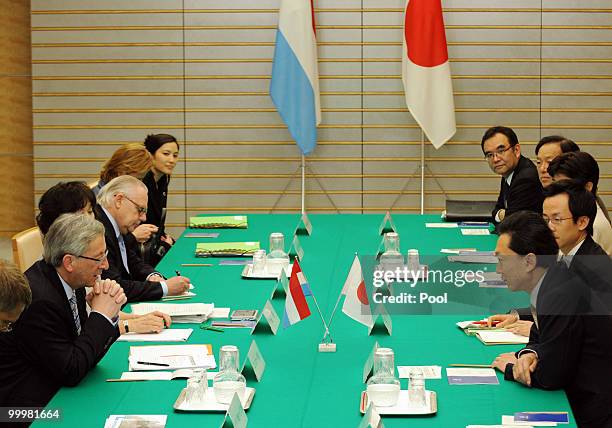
53 276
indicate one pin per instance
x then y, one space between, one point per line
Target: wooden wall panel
16 174
109 72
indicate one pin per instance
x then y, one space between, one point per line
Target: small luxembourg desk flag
296 307
294 86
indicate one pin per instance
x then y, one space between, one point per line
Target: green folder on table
219 222
226 249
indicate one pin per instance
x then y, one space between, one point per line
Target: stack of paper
136 421
492 280
166 335
219 222
226 249
179 312
501 337
474 257
171 357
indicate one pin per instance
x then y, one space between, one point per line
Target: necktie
505 190
123 253
75 312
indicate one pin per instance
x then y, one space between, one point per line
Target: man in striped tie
55 343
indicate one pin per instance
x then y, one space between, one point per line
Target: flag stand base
327 347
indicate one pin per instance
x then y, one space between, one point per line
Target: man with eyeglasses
520 187
569 210
570 349
55 343
15 295
122 206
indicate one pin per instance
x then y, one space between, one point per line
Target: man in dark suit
520 187
122 206
570 348
54 343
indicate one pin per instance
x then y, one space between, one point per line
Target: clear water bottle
277 257
416 388
383 387
259 262
229 380
391 258
197 387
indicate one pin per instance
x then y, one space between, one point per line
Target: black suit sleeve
525 194
134 290
500 200
46 339
557 343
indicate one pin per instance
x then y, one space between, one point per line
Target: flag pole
422 171
327 332
303 181
331 318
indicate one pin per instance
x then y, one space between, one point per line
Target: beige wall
16 173
108 72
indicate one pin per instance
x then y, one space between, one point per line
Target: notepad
170 357
441 225
179 312
219 222
166 335
500 337
470 376
509 420
476 232
474 257
226 249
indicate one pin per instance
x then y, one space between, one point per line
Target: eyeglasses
6 326
490 155
555 220
100 260
141 209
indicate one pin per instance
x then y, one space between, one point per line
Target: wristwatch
126 326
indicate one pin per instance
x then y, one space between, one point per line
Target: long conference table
302 387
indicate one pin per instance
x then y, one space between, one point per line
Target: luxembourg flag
356 303
294 87
426 72
296 307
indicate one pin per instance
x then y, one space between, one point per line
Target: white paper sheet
175 356
174 309
501 336
475 232
166 335
220 313
429 372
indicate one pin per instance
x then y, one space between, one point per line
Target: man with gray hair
54 342
122 206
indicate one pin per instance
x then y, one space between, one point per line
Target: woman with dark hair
77 197
54 202
164 150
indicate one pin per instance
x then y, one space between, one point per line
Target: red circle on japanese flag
424 33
